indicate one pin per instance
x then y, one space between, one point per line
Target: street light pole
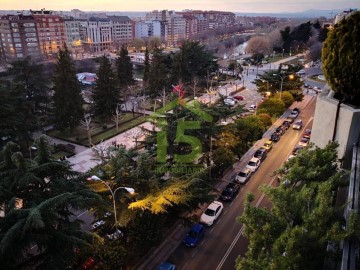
113 192
282 81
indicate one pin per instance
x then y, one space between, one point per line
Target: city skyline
258 6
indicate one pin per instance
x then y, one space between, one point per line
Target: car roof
197 227
254 159
268 141
245 170
214 205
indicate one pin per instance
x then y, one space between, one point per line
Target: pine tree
67 98
124 68
146 67
106 93
38 198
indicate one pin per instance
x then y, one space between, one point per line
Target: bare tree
88 126
258 45
135 133
117 116
101 152
195 82
315 51
142 104
275 39
164 96
138 43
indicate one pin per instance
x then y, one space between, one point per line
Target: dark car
275 137
286 124
280 130
166 266
296 110
307 133
261 153
195 235
238 97
230 192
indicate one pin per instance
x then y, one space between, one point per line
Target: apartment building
73 38
18 38
96 34
51 32
176 29
191 27
123 30
144 29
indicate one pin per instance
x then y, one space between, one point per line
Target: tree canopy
341 59
293 234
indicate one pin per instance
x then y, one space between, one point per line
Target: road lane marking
82 213
194 254
203 241
184 266
240 233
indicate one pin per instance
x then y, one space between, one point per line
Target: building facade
96 34
123 30
51 32
73 38
18 38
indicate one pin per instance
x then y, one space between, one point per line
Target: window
16 35
14 24
29 24
19 55
17 40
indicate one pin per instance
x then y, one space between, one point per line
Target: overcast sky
258 6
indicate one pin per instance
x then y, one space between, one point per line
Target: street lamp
282 80
113 192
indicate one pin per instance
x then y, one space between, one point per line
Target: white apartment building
145 29
123 31
98 34
73 38
176 29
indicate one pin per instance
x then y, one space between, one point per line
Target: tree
315 51
117 116
138 43
88 126
258 44
106 94
146 67
67 92
272 106
286 97
31 76
39 197
124 68
341 62
154 43
295 232
192 60
159 73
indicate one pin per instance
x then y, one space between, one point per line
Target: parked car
98 224
230 192
307 133
280 130
261 153
243 176
229 102
298 124
306 85
252 108
166 266
290 120
293 114
275 137
297 149
253 164
304 141
238 97
211 213
268 145
296 110
194 236
286 124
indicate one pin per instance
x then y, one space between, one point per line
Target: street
224 241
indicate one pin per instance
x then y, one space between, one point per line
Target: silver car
243 176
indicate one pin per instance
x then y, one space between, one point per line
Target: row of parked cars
214 210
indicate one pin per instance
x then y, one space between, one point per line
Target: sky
254 6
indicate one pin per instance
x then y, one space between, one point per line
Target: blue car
194 236
166 266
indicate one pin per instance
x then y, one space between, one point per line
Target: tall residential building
18 38
214 19
176 29
144 29
73 38
191 27
51 32
96 34
123 30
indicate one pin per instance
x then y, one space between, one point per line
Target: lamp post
282 80
113 192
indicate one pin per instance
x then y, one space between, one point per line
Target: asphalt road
224 241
